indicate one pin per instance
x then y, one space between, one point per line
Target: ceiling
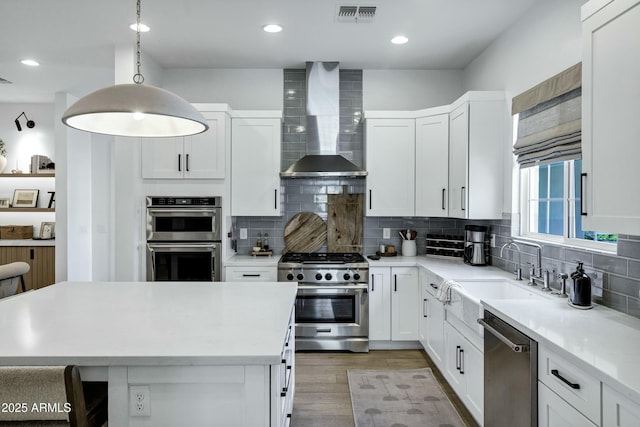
74 39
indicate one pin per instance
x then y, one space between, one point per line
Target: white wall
410 89
544 42
242 89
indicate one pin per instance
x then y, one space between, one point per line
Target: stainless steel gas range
332 306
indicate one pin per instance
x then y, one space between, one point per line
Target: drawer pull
250 275
574 386
434 286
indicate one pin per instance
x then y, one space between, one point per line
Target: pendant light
135 109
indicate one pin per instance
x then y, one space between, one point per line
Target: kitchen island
208 353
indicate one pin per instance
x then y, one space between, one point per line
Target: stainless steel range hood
323 126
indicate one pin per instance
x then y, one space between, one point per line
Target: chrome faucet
508 245
543 275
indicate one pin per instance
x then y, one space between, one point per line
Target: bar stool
10 275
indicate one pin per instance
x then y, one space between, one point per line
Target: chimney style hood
323 126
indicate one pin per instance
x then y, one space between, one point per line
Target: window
550 206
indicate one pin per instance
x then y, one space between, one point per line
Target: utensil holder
409 248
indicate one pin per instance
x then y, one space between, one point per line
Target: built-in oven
183 238
183 261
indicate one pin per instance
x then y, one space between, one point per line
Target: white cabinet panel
405 303
458 161
251 274
379 304
255 167
390 163
610 93
618 410
432 165
555 412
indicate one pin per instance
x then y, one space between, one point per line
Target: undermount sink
465 299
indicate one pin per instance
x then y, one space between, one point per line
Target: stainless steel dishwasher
510 375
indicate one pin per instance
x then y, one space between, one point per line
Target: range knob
318 276
290 276
356 276
300 276
328 276
346 276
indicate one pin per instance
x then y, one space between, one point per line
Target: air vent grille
4 81
355 14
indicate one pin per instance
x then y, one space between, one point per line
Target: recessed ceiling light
272 28
399 40
30 62
143 28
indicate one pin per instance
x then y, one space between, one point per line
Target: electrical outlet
243 234
139 401
493 240
386 233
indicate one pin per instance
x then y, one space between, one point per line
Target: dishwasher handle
518 348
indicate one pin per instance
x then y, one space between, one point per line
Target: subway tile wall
615 277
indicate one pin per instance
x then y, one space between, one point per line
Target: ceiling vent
3 81
355 14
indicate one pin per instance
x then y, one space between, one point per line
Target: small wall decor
47 230
5 203
25 198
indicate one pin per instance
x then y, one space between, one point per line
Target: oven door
183 262
183 223
332 311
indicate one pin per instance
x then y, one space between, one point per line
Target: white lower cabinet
464 370
553 411
618 410
394 303
431 318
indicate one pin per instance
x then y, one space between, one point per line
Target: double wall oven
332 304
183 238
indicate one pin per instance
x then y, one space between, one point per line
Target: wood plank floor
322 390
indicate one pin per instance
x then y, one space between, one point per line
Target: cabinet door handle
373 282
461 361
275 199
187 161
458 357
574 386
370 203
250 275
32 254
179 162
434 286
395 283
424 308
463 203
443 191
583 181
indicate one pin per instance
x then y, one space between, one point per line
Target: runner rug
400 398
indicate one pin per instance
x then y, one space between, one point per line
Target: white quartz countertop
445 267
146 323
253 261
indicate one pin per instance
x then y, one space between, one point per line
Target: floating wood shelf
27 210
27 175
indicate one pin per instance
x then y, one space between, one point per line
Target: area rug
400 398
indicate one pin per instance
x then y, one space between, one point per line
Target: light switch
386 233
243 234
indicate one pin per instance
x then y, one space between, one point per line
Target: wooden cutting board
345 214
305 232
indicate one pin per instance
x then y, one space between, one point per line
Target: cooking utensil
402 235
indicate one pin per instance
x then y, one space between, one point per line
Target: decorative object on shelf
47 230
135 109
5 203
25 198
52 199
30 123
3 154
42 164
16 232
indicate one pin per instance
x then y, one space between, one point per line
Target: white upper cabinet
432 165
390 163
476 145
200 156
610 125
255 165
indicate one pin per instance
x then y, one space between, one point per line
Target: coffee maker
475 248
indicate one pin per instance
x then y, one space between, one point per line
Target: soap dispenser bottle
580 291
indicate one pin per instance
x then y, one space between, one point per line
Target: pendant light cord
138 78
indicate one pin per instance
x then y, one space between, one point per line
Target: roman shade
549 122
